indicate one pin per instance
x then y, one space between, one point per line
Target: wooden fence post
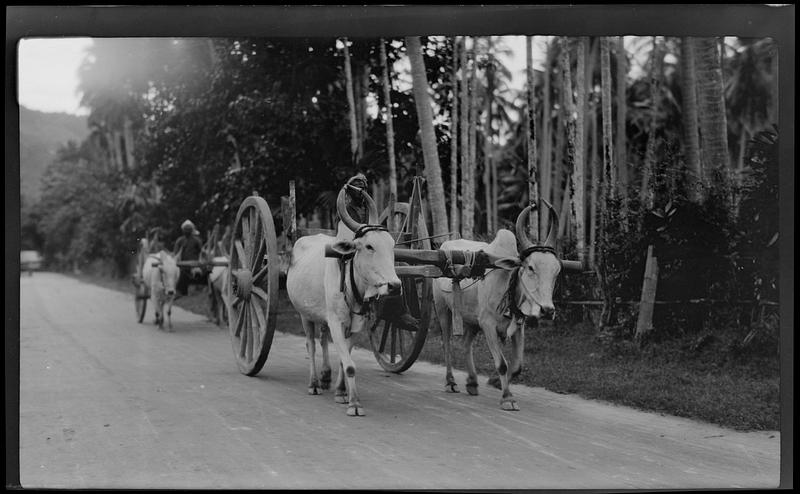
644 323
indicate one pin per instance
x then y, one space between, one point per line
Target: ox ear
507 263
344 247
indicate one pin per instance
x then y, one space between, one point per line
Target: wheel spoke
258 256
260 275
386 328
251 333
240 253
258 292
246 234
239 314
256 238
259 316
243 341
394 339
400 332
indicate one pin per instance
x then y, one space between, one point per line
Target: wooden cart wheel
397 348
253 281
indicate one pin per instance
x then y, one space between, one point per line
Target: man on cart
189 246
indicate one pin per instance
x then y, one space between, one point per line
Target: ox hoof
495 382
472 389
355 411
509 405
314 390
341 399
451 388
326 379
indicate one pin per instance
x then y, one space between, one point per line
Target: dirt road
109 403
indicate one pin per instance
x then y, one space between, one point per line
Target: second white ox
328 294
500 302
160 272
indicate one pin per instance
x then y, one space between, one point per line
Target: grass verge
709 382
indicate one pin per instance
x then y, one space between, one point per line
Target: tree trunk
351 103
622 106
579 206
118 149
711 108
569 120
454 211
467 191
488 176
127 130
544 170
772 110
365 72
387 99
689 118
433 171
609 171
533 167
473 117
595 186
646 194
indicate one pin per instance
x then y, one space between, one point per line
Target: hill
40 136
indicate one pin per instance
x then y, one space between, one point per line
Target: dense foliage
186 128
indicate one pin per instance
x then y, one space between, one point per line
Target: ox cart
254 266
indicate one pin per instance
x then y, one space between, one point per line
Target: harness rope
343 261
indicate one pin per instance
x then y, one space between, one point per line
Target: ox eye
530 268
370 248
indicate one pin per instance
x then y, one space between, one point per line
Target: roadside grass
710 382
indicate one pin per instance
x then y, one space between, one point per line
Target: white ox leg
314 387
489 326
444 315
347 367
325 378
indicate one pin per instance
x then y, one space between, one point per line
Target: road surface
109 403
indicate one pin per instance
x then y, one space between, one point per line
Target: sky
48 74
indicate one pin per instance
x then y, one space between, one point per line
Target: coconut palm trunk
467 191
433 171
387 98
620 145
351 103
691 137
533 166
454 211
646 193
544 170
569 123
711 111
579 187
487 139
473 136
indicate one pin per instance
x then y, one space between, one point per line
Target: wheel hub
242 283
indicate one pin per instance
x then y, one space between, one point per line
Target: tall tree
533 166
691 137
488 175
473 120
351 102
646 193
609 170
454 211
545 171
433 171
387 99
579 206
569 112
622 105
467 172
712 119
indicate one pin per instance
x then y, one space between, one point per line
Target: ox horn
551 233
522 235
341 207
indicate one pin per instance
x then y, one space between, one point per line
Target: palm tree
580 158
646 193
568 117
387 99
545 168
622 72
487 138
467 172
713 122
351 102
691 134
433 171
533 171
454 211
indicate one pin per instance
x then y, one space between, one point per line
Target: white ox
160 272
314 284
218 291
500 302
